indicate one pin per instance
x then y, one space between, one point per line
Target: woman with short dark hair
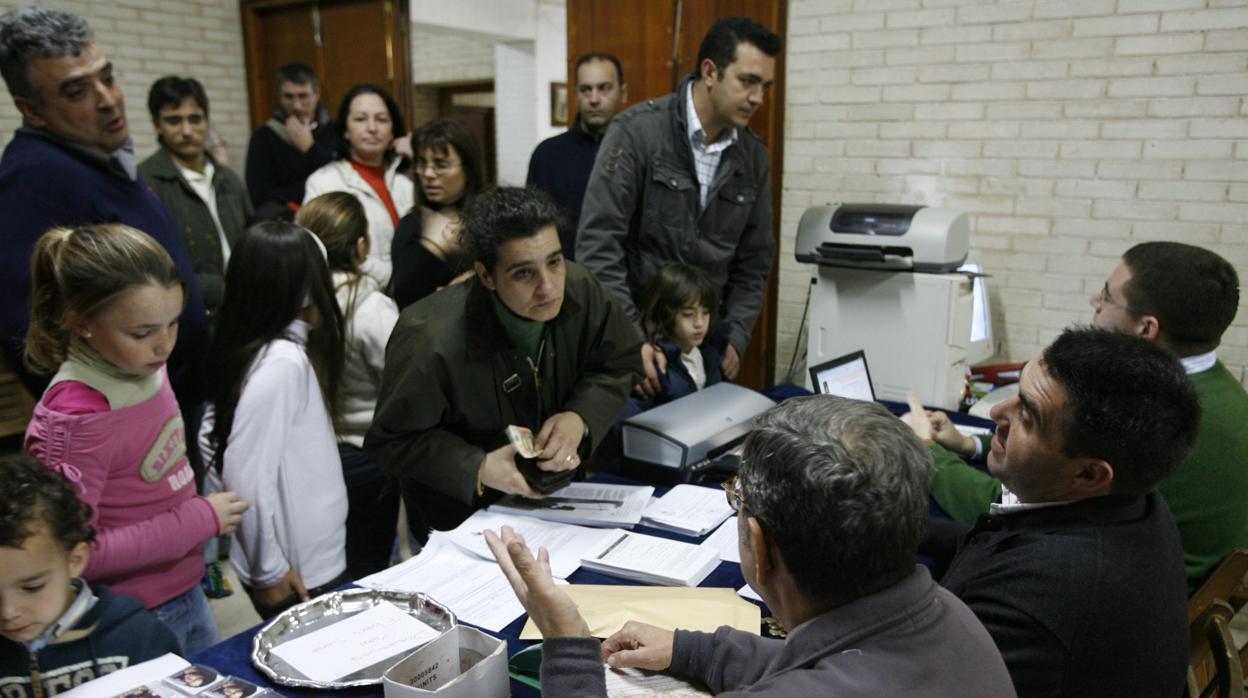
368 168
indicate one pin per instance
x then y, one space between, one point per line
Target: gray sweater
912 639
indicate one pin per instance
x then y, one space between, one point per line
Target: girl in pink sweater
105 306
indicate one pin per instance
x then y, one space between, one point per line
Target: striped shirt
705 157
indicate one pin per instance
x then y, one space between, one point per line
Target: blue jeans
191 620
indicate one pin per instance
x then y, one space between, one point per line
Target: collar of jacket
1096 511
163 166
584 135
486 335
120 162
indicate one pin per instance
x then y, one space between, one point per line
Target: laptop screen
846 377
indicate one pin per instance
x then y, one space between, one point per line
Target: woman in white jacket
369 315
368 169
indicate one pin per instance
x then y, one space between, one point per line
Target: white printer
885 283
664 443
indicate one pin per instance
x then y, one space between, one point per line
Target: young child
338 219
105 306
57 632
678 311
274 367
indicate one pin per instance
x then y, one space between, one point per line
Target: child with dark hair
276 369
56 632
679 308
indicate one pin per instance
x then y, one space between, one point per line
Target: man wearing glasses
831 503
1183 298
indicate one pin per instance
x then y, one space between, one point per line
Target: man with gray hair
71 164
831 502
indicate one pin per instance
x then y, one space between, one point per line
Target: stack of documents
566 543
472 588
654 560
724 542
584 503
689 509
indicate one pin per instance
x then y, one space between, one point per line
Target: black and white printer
886 280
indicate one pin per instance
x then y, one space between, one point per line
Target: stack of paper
566 543
654 560
689 509
474 589
724 542
585 503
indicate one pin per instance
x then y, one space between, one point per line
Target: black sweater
1085 599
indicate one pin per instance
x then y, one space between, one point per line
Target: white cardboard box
463 663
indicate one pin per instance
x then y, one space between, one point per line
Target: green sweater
1207 493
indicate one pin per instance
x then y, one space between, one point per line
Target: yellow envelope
607 608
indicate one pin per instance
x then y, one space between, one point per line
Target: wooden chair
1215 667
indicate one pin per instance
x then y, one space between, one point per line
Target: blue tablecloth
233 656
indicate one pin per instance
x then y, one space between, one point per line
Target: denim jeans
191 620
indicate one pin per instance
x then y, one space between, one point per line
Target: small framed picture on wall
558 104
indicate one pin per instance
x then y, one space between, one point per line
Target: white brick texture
1069 130
147 40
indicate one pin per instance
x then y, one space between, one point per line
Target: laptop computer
846 376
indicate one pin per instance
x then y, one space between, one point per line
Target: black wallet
544 481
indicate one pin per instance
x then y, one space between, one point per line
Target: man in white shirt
208 201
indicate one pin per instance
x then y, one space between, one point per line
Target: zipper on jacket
36 679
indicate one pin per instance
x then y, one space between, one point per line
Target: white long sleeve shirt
282 457
370 317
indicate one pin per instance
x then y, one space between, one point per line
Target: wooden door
657 42
346 41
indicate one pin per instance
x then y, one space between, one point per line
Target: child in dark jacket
56 632
678 311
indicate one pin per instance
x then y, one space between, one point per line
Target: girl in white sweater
338 219
274 367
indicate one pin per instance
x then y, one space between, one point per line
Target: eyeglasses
732 490
1104 299
438 166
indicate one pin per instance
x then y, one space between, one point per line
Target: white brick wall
441 55
1069 130
147 40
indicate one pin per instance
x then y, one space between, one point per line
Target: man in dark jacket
72 163
208 201
1077 571
531 341
296 141
682 179
561 164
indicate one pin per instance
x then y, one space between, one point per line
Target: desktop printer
664 444
886 282
884 236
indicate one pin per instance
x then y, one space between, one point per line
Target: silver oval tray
331 608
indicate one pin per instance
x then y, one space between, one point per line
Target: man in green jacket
1184 298
208 201
532 341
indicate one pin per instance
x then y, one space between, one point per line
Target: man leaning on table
831 502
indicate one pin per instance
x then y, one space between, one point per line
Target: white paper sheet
724 541
689 509
747 592
473 588
584 503
635 683
973 431
151 671
566 543
360 641
654 560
